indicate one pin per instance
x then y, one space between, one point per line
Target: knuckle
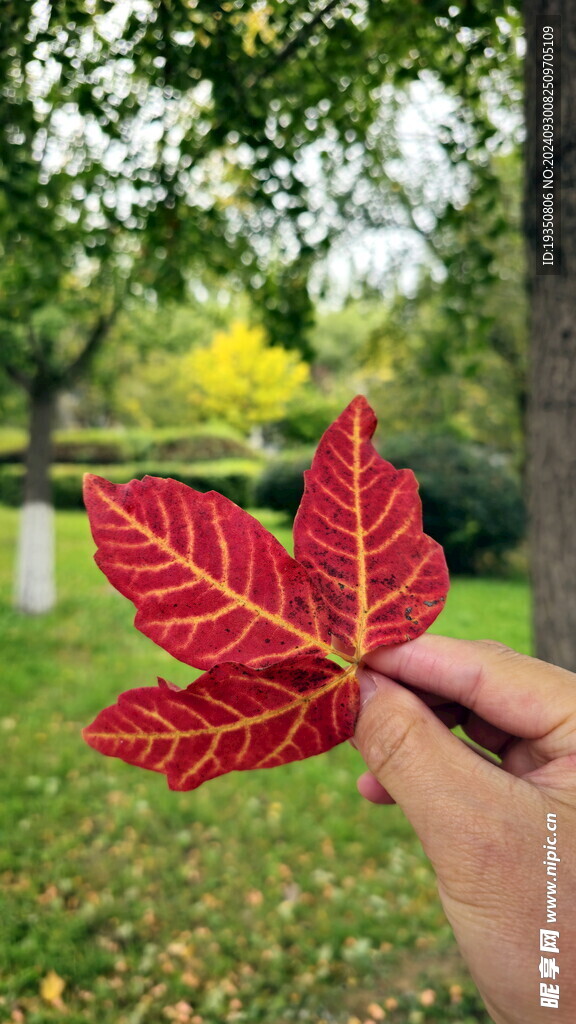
496 658
386 743
499 649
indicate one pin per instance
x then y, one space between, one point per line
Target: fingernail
367 684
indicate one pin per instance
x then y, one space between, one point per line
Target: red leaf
232 718
209 582
358 531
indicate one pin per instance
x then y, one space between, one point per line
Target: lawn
271 896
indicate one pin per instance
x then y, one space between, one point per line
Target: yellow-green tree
241 379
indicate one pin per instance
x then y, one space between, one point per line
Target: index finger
521 695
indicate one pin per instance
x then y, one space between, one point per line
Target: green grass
273 896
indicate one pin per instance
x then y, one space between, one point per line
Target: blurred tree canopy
454 355
147 144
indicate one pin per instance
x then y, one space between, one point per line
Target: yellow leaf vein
399 532
203 574
336 498
298 701
393 594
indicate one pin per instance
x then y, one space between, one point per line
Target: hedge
281 484
108 447
235 478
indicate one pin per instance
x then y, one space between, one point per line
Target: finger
520 695
451 713
519 757
443 786
480 752
372 790
485 734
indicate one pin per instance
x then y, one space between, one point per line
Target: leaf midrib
361 553
243 722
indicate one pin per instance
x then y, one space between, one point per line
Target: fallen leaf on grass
376 1011
51 988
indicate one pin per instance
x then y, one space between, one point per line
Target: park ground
272 896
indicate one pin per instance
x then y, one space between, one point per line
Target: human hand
483 825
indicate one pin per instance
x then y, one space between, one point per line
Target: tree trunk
35 586
552 288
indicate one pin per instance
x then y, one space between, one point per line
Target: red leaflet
231 718
213 587
359 533
209 582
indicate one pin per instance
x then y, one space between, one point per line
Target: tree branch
93 342
40 357
12 370
277 59
294 44
18 376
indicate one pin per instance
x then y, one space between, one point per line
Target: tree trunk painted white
35 587
35 590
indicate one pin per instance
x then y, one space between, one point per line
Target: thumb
442 785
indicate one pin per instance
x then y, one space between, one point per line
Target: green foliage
214 182
458 348
198 446
235 478
281 484
341 339
280 889
472 501
12 444
137 377
12 485
306 419
92 447
419 375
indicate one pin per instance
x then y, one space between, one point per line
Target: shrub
472 501
232 477
307 419
12 444
89 447
91 453
110 447
197 447
281 484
